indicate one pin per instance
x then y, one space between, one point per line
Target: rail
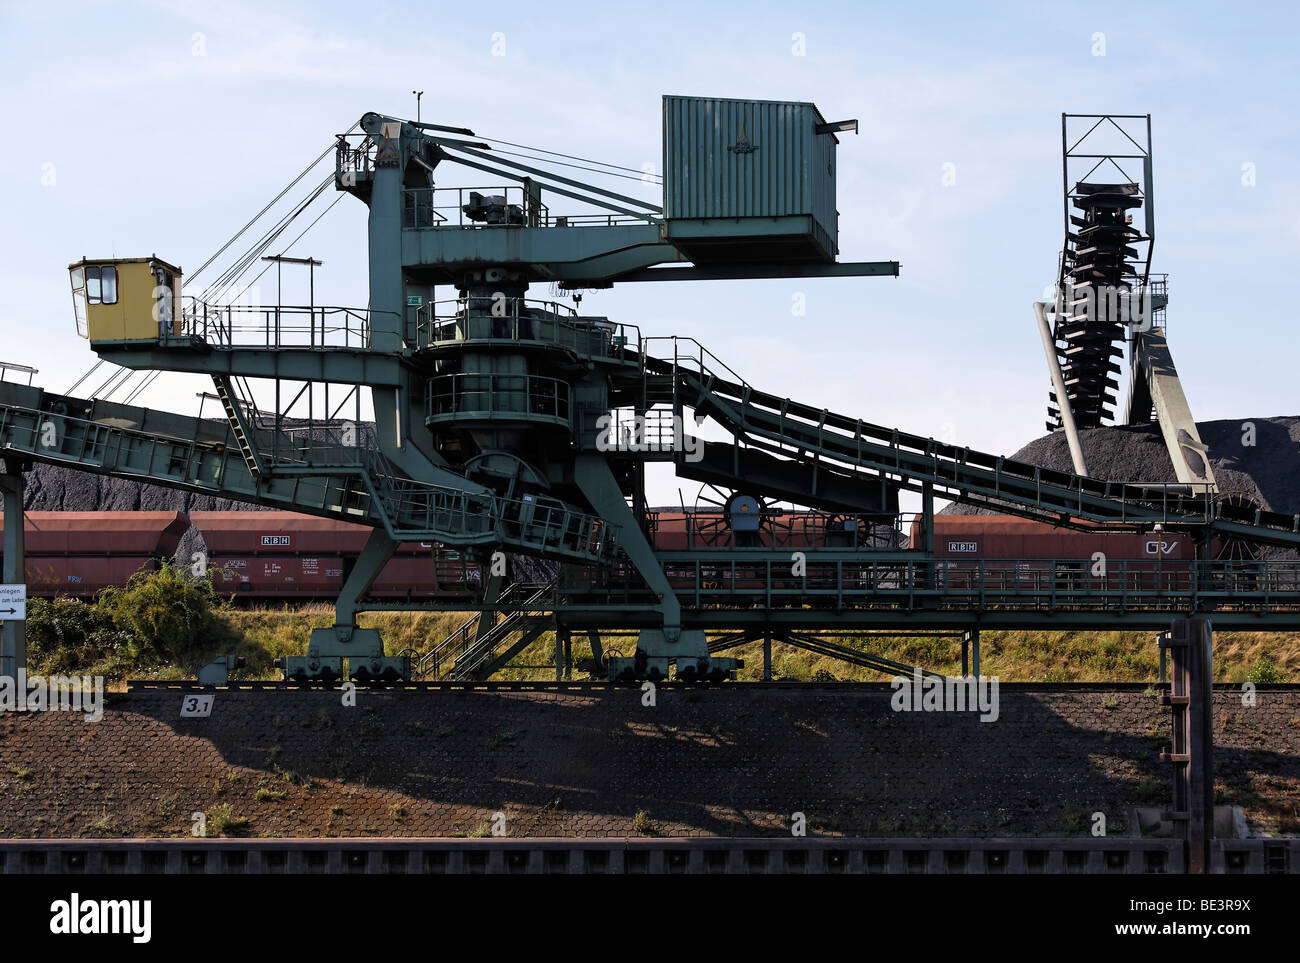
466 397
498 206
523 321
19 370
276 326
711 528
985 584
472 207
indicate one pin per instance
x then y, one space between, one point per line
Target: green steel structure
506 425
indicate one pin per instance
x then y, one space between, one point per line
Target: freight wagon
1006 552
287 556
80 553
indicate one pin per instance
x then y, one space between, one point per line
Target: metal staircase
235 413
474 652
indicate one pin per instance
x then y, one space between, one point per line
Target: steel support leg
493 587
362 648
13 634
767 658
1190 644
597 482
375 554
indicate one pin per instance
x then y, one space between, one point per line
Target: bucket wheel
1238 506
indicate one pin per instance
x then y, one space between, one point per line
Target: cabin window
79 299
101 285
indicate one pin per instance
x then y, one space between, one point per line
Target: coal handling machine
461 410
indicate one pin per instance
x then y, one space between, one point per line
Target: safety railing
351 161
16 372
987 585
703 528
276 326
797 430
458 517
495 207
471 207
512 600
460 397
319 445
521 320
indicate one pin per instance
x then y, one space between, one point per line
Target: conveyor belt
872 452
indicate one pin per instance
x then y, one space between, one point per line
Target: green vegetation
166 624
222 821
1264 670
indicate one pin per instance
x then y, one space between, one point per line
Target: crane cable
305 171
585 160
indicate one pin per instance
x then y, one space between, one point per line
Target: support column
375 554
767 658
597 482
493 588
1190 644
13 633
927 535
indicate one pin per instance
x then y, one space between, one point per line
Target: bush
1265 671
167 616
65 636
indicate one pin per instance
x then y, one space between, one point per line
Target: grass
1026 656
222 821
263 634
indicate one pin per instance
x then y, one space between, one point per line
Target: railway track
686 856
812 688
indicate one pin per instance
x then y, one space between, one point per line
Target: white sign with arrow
13 602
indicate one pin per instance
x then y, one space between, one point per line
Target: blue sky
166 125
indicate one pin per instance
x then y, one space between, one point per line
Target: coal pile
54 488
1268 469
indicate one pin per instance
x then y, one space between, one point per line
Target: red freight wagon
102 533
284 555
277 576
1004 536
1020 552
80 553
285 533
